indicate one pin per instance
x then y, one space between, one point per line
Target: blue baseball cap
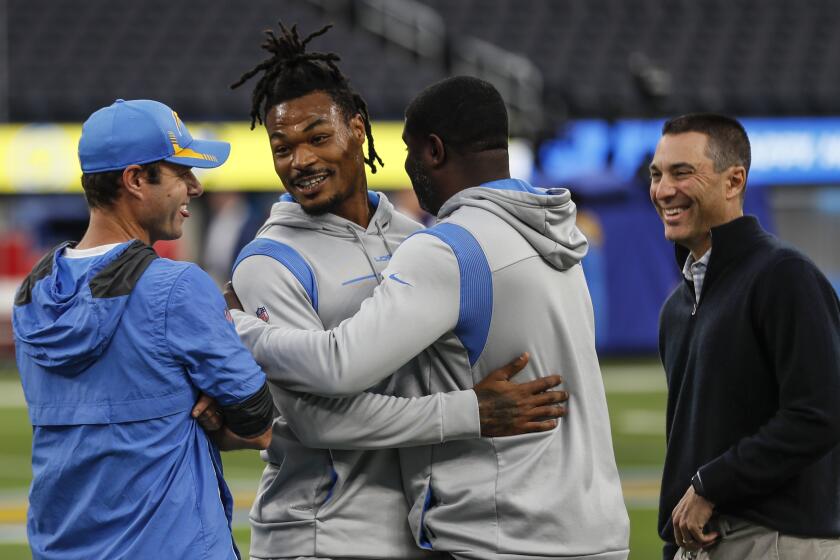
142 131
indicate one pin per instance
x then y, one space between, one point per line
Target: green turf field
636 394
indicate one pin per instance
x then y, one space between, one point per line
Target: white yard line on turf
13 534
11 394
634 380
641 422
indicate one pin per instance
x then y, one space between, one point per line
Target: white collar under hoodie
498 275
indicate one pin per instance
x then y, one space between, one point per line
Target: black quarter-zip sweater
753 375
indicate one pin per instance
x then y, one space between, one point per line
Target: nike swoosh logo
395 279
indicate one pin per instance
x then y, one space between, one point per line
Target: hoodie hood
544 217
286 212
63 319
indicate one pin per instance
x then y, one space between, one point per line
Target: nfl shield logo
262 314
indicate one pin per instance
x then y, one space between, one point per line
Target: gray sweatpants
742 540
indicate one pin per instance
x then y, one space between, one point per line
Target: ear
357 128
736 182
132 181
434 151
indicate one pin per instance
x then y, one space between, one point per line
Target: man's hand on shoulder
506 408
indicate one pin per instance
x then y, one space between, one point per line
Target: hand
508 409
210 417
231 299
208 414
689 517
226 440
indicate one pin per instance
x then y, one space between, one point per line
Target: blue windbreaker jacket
113 351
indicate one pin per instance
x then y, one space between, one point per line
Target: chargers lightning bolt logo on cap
177 122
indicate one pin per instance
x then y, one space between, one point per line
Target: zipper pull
694 311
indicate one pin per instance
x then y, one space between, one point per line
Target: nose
662 189
303 157
194 186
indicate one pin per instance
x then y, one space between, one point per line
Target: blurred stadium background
588 83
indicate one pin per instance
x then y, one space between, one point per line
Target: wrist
697 484
460 415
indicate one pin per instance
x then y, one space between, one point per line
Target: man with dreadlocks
332 486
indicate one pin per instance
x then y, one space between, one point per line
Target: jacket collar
287 212
730 242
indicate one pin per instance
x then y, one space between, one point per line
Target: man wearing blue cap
114 346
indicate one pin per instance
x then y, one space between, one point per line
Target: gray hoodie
331 488
498 275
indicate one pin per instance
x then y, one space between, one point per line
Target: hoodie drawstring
364 250
384 240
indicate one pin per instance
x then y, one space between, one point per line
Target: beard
423 186
327 206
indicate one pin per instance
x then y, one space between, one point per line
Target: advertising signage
784 150
41 158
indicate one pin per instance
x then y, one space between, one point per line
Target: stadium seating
606 58
67 58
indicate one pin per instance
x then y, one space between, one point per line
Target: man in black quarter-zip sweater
750 342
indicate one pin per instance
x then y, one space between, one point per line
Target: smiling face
688 194
165 206
318 153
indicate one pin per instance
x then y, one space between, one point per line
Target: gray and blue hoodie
332 485
498 275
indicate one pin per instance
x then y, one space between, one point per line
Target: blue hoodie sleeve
201 336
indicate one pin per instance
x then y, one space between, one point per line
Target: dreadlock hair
291 72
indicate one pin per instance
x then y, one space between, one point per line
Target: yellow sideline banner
41 158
